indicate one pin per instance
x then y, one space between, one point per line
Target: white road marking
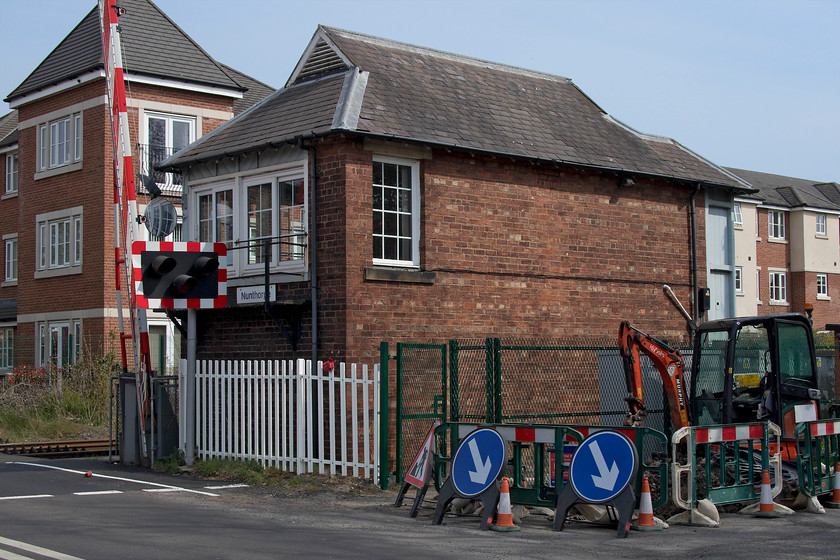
27 497
177 488
32 548
226 486
100 493
163 489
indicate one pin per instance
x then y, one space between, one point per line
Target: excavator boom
668 362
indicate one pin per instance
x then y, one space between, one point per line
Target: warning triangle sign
420 469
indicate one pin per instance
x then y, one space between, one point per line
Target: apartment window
60 142
166 135
778 287
739 286
11 258
738 219
11 173
776 224
758 286
396 212
59 342
7 348
822 286
59 242
250 211
821 229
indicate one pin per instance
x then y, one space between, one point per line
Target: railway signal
171 275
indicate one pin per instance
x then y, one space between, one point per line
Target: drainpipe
693 281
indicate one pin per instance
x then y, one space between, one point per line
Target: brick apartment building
57 295
787 238
452 198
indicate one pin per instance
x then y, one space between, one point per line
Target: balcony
148 157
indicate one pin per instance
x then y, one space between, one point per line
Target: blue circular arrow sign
602 466
478 462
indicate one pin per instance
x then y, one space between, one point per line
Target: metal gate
421 396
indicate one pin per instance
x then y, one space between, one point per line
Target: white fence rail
285 415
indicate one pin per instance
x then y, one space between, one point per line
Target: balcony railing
149 157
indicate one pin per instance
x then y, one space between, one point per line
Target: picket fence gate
287 415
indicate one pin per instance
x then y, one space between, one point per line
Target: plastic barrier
818 451
726 455
540 455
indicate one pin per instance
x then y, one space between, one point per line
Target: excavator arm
669 363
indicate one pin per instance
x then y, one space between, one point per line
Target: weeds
56 403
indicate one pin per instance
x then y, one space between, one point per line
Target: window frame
415 198
11 248
739 280
7 348
776 228
59 242
60 142
244 260
778 287
12 173
737 216
821 225
822 286
69 345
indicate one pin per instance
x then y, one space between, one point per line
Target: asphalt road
50 509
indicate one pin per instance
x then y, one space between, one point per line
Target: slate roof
153 45
389 89
8 129
791 192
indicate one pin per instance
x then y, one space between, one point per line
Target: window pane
205 218
77 240
377 198
224 216
77 134
180 135
390 174
259 221
377 173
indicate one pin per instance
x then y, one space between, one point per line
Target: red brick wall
770 254
519 250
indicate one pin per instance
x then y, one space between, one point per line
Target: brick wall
518 250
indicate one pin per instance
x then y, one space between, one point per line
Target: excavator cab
755 368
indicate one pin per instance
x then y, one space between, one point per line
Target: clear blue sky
753 84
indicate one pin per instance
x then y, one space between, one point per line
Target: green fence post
488 380
497 379
383 415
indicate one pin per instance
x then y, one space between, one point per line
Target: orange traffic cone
766 508
835 496
504 517
645 522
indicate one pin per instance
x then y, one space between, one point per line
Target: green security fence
534 381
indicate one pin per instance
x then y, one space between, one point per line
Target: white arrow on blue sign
478 462
602 466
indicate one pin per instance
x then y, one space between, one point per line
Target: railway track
58 449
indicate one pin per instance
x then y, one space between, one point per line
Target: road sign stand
489 499
476 467
420 473
624 503
601 472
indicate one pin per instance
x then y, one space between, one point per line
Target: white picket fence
286 415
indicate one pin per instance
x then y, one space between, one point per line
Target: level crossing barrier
818 449
539 456
724 457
